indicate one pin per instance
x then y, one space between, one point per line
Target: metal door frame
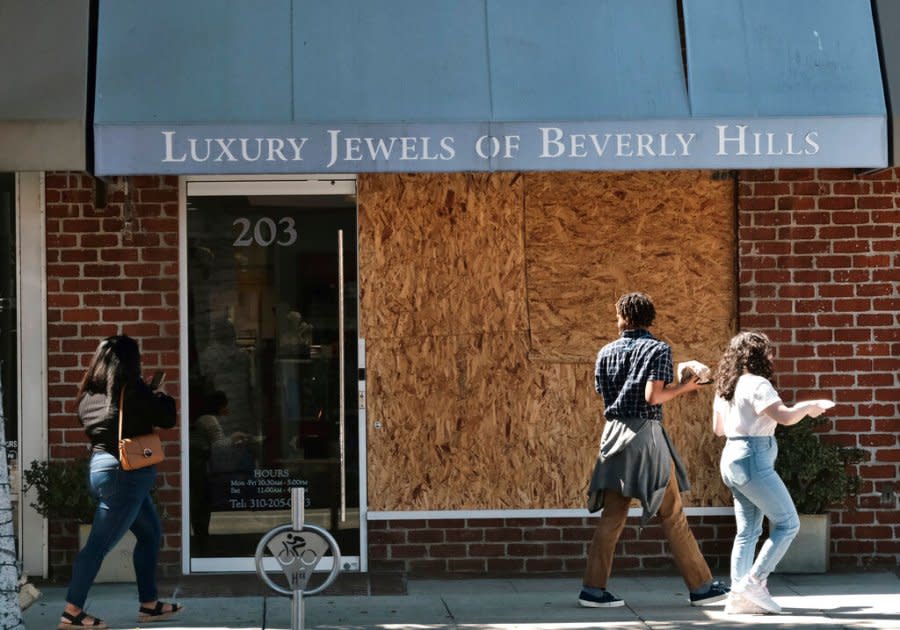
265 184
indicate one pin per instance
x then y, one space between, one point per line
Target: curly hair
748 352
636 309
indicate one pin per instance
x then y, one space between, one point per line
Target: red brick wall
103 281
819 273
530 545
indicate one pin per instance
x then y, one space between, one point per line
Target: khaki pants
684 547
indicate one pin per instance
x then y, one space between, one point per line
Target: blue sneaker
606 600
717 592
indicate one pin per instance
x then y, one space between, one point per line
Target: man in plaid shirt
637 459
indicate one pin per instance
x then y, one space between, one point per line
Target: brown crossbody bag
139 451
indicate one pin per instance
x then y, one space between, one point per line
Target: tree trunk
10 611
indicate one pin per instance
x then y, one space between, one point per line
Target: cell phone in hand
158 377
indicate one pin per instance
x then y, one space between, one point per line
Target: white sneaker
756 593
737 605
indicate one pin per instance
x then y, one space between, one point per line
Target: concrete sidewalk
834 600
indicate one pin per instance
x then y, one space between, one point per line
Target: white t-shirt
743 415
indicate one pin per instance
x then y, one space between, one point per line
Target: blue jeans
125 503
748 469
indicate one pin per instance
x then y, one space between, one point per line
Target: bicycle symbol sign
298 553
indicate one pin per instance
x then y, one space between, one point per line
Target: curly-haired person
634 375
746 410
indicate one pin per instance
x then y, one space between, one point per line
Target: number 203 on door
265 232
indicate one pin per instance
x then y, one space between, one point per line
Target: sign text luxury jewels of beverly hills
609 145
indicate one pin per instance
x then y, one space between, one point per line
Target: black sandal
157 613
77 621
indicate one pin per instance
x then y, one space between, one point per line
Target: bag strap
121 409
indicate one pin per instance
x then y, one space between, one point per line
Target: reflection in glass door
272 364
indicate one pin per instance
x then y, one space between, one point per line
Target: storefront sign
855 142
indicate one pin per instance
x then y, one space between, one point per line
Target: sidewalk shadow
854 612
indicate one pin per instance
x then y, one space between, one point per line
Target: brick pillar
105 279
819 272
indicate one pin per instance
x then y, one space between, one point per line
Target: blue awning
43 99
295 86
888 27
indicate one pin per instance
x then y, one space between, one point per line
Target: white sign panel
837 142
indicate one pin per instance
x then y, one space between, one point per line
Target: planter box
809 553
118 565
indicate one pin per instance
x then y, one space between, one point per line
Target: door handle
342 404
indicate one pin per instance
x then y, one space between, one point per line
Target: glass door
272 365
9 364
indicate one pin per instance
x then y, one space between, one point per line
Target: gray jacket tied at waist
635 459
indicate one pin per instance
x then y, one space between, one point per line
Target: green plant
62 489
815 472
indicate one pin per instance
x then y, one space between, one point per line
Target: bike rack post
298 547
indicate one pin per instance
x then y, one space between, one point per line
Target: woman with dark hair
746 410
124 495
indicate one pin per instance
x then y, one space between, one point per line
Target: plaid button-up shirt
623 369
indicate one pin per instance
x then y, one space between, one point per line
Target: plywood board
441 254
456 432
591 237
484 299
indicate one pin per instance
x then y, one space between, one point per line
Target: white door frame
31 311
259 185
